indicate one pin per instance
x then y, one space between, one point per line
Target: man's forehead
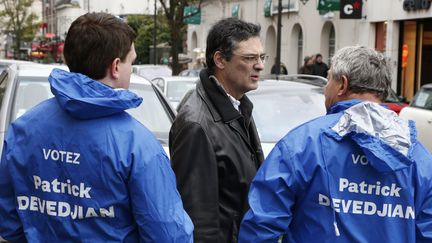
252 44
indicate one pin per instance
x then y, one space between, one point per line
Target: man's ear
114 69
219 60
344 85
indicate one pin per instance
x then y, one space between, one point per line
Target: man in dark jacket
319 67
215 148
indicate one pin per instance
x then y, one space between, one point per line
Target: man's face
319 59
125 69
241 73
331 90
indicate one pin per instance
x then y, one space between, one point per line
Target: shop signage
350 9
267 8
235 9
412 5
191 15
328 5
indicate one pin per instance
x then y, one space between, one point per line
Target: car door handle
429 121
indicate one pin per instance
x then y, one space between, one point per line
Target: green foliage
16 19
30 28
143 26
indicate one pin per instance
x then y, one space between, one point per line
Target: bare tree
17 19
174 12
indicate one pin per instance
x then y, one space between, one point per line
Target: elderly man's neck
363 96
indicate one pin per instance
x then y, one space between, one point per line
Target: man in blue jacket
77 167
357 174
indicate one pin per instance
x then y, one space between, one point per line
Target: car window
423 99
29 93
160 83
277 111
151 112
3 85
177 89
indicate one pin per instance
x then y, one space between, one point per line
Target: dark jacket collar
221 101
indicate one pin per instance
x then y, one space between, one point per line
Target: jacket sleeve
424 217
156 203
195 166
271 198
11 228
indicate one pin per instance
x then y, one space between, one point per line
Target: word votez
62 156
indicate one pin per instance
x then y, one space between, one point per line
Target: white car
150 71
420 111
175 87
284 102
24 86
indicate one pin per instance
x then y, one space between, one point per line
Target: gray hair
366 70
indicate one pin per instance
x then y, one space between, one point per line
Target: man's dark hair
225 35
94 40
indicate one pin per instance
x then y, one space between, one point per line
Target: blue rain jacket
357 174
78 168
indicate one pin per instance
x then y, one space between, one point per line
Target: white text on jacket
62 156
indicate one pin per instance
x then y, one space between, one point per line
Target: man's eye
250 58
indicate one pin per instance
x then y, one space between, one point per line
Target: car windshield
177 89
282 106
423 99
151 112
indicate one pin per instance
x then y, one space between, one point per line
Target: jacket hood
385 139
85 98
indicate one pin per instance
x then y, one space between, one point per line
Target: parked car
420 111
5 63
149 71
190 72
24 86
282 103
175 87
394 102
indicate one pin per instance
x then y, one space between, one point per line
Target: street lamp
279 38
154 34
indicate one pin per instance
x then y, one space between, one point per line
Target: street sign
192 15
328 5
351 9
268 8
235 9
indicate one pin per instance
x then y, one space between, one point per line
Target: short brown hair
94 40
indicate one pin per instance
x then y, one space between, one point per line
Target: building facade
59 14
389 26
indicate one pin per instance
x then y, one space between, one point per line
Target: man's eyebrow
253 54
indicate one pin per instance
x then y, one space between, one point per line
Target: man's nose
259 66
